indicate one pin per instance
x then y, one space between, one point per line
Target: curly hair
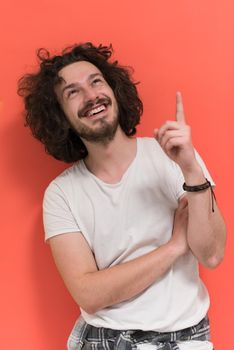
43 113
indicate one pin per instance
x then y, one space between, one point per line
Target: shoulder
65 181
147 141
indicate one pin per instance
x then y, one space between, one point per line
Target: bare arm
93 289
206 229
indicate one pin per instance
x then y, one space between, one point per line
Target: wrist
194 175
175 249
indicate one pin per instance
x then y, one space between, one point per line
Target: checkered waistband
92 338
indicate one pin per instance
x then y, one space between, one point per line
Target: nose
90 94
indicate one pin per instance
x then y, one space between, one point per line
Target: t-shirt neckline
123 176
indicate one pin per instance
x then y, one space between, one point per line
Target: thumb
183 202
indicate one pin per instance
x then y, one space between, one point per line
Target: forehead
78 72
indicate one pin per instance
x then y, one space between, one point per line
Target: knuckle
170 143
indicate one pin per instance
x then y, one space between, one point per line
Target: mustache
89 105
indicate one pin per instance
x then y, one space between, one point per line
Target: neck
111 159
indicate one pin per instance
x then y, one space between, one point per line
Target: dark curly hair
46 118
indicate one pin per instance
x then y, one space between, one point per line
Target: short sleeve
57 215
176 178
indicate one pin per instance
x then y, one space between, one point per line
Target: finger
169 125
183 202
173 143
155 133
170 134
180 117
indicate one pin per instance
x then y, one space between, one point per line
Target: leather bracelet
201 187
197 188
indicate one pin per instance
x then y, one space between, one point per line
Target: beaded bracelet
199 188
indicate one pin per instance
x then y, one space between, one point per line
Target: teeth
96 110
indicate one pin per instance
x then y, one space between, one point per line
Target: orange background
173 45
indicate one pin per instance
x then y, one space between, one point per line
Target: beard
102 134
105 131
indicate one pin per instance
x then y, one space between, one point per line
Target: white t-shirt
123 221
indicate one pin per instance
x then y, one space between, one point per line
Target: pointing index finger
180 117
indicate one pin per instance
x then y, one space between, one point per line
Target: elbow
213 258
85 296
88 303
213 261
89 308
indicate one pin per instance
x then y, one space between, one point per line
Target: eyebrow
73 85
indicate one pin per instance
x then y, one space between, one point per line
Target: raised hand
175 138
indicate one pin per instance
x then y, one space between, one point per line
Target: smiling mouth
92 109
96 110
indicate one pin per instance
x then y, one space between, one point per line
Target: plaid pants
87 337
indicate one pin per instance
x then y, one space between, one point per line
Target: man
130 221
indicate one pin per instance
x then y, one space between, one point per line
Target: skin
195 226
206 229
107 160
84 88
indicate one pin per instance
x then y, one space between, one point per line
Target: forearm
121 282
206 229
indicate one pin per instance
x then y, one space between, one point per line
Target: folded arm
95 289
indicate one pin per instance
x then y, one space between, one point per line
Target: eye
72 92
96 81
